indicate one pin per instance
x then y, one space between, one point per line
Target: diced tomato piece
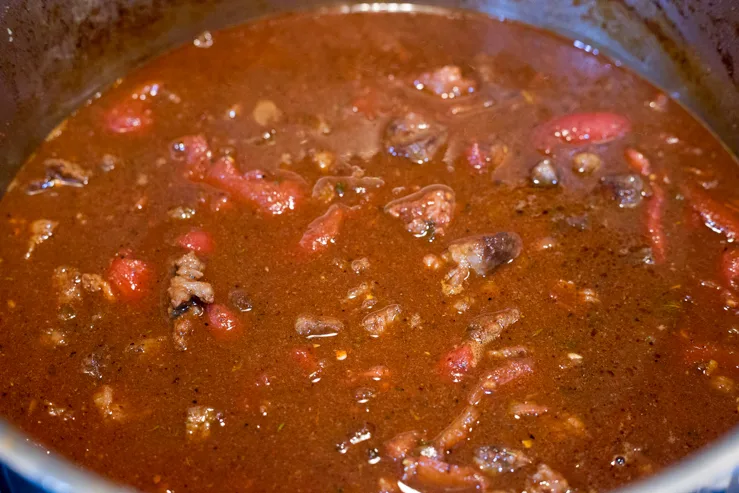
272 195
197 241
580 128
655 228
457 362
222 322
130 278
322 232
730 268
716 215
638 161
129 115
194 151
305 358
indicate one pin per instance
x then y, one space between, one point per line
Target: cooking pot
57 53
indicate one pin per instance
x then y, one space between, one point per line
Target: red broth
364 252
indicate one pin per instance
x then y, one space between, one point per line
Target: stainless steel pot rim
711 468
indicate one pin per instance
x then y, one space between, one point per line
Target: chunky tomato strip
130 278
274 196
715 215
322 232
222 322
581 128
730 268
130 115
197 241
655 228
638 161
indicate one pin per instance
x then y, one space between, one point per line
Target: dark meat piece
627 189
400 446
185 285
69 283
428 211
59 172
434 473
486 328
544 174
414 137
376 322
311 326
496 460
580 128
183 327
240 300
330 188
480 332
446 82
545 480
492 380
457 431
41 230
484 253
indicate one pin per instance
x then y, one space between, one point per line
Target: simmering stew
373 252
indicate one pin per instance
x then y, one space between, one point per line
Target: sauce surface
366 252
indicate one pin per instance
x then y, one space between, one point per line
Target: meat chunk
200 420
481 331
492 380
311 326
414 137
69 284
185 285
41 230
378 321
94 283
184 326
446 82
59 172
330 188
457 431
498 460
322 231
426 212
483 253
109 409
398 447
545 480
487 327
434 473
627 190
